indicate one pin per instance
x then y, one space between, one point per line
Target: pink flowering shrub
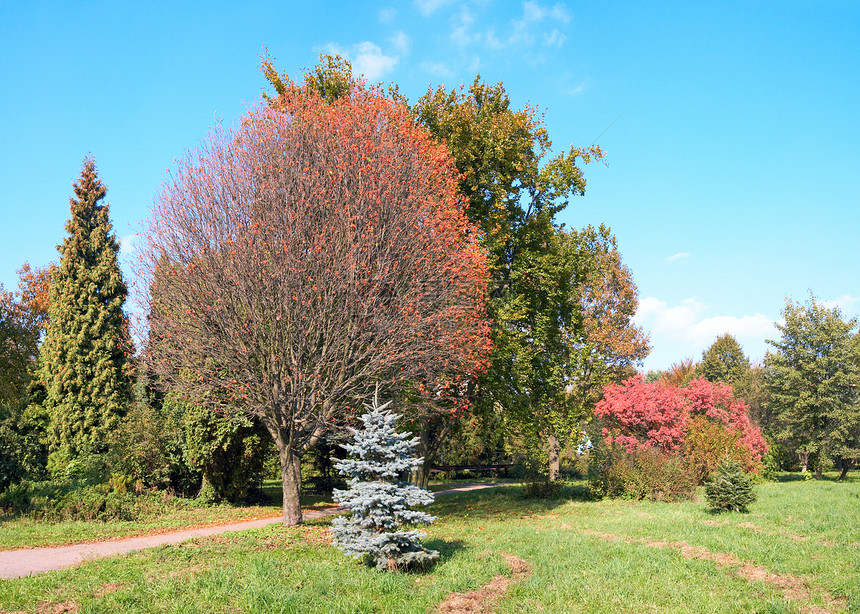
699 423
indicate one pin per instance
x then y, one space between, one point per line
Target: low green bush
56 502
644 473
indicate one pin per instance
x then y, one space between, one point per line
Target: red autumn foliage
319 248
642 415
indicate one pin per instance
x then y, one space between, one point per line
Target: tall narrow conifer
85 353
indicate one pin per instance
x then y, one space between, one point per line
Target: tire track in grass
794 588
481 601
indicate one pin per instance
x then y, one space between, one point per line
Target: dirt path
794 588
29 561
482 600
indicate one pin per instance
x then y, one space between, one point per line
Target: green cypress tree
84 359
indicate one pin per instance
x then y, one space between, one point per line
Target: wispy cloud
462 33
400 41
534 16
387 14
428 7
128 243
678 256
847 304
437 69
554 38
367 59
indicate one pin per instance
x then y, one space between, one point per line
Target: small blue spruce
380 503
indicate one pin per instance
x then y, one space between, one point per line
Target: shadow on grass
829 476
504 501
446 548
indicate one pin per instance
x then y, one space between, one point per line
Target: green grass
807 531
24 532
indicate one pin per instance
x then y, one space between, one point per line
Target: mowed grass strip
607 556
177 514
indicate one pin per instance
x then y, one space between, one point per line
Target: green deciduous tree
813 377
84 358
514 193
724 361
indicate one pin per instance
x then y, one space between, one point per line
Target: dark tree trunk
846 466
421 476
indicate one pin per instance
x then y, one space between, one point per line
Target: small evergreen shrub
730 489
379 502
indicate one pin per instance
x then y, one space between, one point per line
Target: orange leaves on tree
329 234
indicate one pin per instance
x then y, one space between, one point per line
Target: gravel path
29 561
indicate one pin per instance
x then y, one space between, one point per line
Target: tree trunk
554 456
846 466
421 476
291 475
803 456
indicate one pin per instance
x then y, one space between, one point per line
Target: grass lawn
796 551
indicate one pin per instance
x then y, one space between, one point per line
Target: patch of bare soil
68 607
482 600
792 587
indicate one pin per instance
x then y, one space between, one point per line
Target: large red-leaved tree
317 249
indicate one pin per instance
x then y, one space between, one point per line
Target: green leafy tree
813 378
603 344
85 354
514 193
724 361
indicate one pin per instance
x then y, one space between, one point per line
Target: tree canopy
724 361
315 250
812 377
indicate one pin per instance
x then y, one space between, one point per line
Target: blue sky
732 128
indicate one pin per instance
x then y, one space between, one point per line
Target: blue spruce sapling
379 501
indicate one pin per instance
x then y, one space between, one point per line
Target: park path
29 561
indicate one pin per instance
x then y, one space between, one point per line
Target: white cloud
462 34
400 41
683 330
678 256
367 59
438 69
128 243
533 17
387 14
683 323
847 304
554 38
428 7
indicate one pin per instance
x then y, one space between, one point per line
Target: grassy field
796 551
